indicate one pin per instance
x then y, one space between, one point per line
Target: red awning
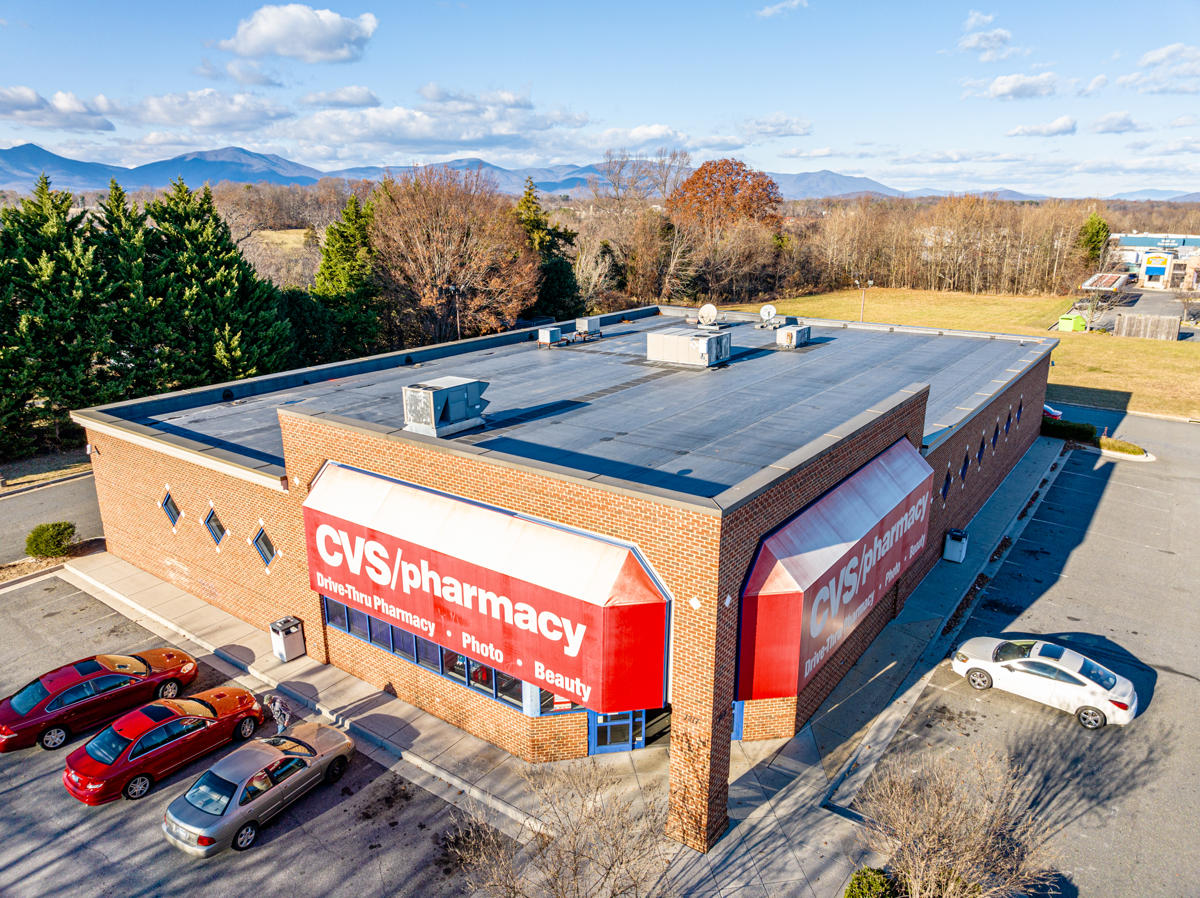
816 577
579 614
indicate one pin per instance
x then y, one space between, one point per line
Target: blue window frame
452 665
215 528
171 509
265 547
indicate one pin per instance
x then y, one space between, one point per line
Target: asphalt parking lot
373 833
1108 564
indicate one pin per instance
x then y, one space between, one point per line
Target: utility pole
862 309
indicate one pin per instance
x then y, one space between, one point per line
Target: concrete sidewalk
786 835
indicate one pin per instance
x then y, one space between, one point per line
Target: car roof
62 677
246 761
144 719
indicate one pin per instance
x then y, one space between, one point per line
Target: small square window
402 644
481 677
454 665
265 547
335 614
359 623
381 634
215 528
429 654
172 510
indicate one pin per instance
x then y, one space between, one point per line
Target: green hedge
1069 430
50 540
870 882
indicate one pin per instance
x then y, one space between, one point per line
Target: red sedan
90 692
145 745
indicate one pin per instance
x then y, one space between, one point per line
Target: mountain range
21 165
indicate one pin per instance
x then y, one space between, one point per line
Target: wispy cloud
1062 125
208 110
351 97
783 6
777 125
977 19
819 153
1116 123
1093 86
991 45
1022 87
63 110
1184 121
1173 69
301 32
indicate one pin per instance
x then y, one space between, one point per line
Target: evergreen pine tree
345 283
558 291
225 321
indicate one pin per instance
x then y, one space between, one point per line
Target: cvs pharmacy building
564 542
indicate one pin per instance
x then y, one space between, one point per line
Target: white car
1049 674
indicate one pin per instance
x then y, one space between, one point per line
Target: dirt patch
1028 505
1005 545
980 582
26 566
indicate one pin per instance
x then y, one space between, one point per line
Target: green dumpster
1072 321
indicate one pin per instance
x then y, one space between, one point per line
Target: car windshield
26 700
107 746
196 707
211 794
1011 651
124 664
290 746
1102 677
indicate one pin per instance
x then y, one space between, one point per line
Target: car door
112 694
257 800
152 753
69 707
195 738
1073 693
1033 680
289 778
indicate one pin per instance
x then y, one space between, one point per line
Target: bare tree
668 168
625 177
595 841
955 829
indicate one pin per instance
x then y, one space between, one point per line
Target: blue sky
1048 97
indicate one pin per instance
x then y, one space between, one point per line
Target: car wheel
1090 718
245 729
137 787
334 771
245 836
979 679
53 738
167 689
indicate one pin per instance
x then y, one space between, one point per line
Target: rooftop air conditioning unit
589 326
548 336
444 406
687 347
793 335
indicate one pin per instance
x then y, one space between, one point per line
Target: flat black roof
601 408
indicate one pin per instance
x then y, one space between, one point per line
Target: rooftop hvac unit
589 326
444 406
688 347
792 336
548 336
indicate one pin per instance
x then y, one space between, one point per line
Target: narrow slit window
996 435
946 486
982 449
215 528
265 547
1020 408
1007 423
172 510
962 474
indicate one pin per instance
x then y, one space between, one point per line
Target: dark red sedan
90 692
129 755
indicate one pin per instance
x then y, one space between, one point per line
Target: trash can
287 638
956 546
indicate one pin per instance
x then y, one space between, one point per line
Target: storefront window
454 665
482 678
381 634
509 689
552 704
358 624
402 644
427 654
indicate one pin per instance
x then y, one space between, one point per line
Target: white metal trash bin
956 546
287 638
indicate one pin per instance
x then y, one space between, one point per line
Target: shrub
1069 430
50 540
1121 446
870 882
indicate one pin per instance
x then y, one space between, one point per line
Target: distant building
1160 261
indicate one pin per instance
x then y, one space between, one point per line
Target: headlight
187 668
960 657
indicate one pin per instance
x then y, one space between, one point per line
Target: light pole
862 309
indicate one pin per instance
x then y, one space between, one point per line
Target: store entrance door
616 732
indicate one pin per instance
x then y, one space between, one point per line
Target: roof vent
444 406
702 349
792 335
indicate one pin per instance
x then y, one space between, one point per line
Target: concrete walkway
789 834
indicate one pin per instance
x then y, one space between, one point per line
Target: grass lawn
290 238
1090 369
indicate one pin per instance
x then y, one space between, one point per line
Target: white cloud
1093 86
246 72
301 32
63 110
465 102
1170 53
992 45
1184 121
209 110
783 6
1116 123
819 153
1022 87
1173 69
1062 125
206 69
778 125
977 19
1187 145
351 97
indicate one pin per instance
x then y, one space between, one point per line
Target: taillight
1124 706
5 731
205 840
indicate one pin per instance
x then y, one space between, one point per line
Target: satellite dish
708 313
767 312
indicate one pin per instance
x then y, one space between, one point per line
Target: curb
1117 456
1125 411
16 491
29 578
474 792
879 735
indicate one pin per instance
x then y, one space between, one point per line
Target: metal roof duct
444 406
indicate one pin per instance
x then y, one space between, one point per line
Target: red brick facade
702 555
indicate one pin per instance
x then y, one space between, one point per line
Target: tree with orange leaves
722 192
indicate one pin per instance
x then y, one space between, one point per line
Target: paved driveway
373 833
1109 563
73 501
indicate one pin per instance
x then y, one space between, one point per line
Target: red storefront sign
577 614
816 577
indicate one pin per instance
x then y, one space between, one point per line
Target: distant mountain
21 165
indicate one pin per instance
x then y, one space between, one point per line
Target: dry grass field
1089 369
289 238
